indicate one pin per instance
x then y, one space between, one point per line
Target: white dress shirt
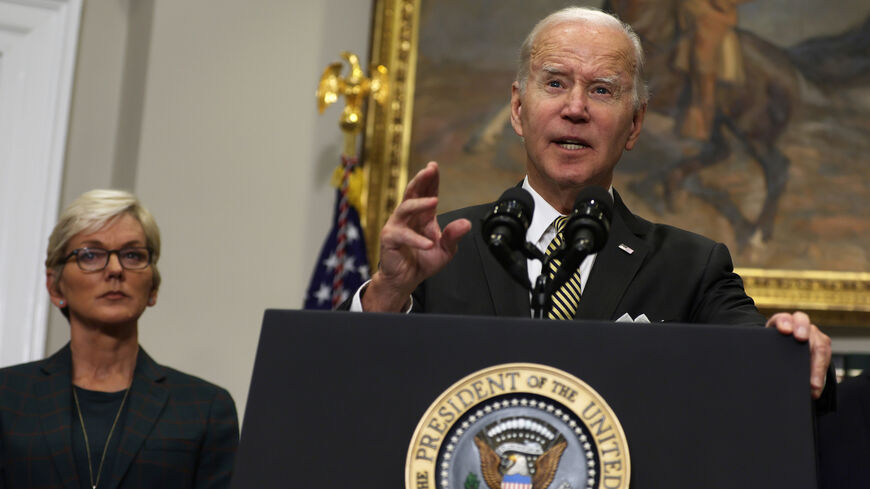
541 232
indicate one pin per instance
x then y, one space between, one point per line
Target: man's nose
576 108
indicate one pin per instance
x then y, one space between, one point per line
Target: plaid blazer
180 431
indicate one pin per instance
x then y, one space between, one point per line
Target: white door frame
38 43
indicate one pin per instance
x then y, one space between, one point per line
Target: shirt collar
542 217
544 214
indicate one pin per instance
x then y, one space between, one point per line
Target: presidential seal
518 426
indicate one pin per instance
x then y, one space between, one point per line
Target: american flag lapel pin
624 247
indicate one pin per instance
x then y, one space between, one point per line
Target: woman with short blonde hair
101 412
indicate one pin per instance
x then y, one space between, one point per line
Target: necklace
85 433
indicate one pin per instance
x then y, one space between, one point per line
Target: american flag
516 481
343 264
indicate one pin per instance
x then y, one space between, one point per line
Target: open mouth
571 144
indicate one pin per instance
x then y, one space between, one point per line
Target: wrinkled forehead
604 46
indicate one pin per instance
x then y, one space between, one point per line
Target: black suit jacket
666 273
844 437
669 274
180 431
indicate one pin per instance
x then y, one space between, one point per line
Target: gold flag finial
356 87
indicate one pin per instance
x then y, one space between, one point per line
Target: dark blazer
844 437
666 273
179 432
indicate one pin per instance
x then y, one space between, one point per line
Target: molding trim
38 43
388 125
831 298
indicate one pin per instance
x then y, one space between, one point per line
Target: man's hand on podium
413 245
800 326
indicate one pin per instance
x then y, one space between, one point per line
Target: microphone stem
533 253
570 263
540 299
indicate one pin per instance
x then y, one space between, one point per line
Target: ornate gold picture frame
833 298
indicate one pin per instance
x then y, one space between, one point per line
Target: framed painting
768 156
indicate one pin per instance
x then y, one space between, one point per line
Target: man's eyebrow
553 70
607 80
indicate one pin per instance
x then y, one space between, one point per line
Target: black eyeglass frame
75 253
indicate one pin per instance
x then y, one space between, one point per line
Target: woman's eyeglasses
96 259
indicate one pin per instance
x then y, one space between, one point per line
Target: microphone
504 231
585 232
589 224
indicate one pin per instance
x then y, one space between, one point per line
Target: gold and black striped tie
567 298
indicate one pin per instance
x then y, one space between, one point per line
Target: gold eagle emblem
510 453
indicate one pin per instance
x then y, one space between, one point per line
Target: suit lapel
147 400
614 268
54 402
508 297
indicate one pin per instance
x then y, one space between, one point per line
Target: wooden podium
335 396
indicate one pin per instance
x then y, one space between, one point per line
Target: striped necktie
567 298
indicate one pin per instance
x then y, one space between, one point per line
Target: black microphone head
504 231
589 224
521 196
597 198
509 218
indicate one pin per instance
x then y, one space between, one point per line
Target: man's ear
636 125
52 284
516 109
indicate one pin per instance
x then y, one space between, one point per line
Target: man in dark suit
178 432
844 437
633 275
578 102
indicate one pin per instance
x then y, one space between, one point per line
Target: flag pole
356 89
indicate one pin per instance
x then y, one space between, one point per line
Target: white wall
206 109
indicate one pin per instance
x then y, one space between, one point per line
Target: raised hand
413 245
